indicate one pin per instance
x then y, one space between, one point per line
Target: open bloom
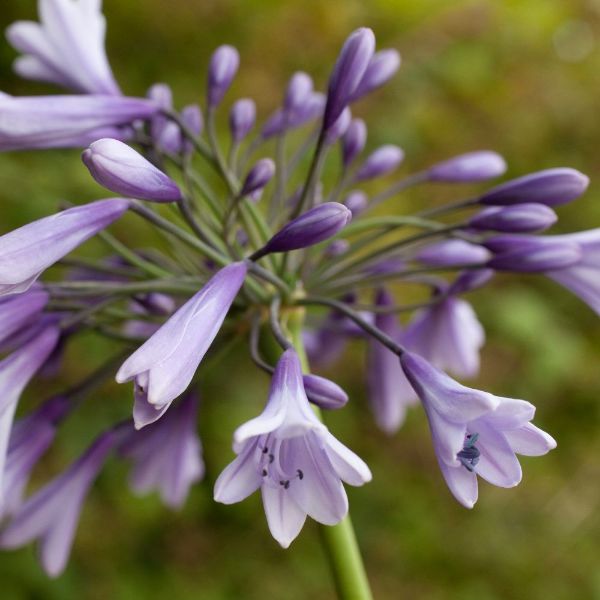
292 457
51 514
27 251
165 364
474 433
167 455
66 47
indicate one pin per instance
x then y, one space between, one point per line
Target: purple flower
447 334
167 455
66 47
351 65
17 312
15 373
192 117
51 514
165 133
337 248
324 392
449 253
517 218
551 187
26 252
382 67
356 202
298 92
313 226
258 177
223 67
474 433
292 457
381 162
354 141
66 121
472 166
282 120
165 364
389 392
241 118
30 437
122 170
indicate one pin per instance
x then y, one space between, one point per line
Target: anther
300 474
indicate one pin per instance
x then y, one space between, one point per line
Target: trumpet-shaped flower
165 364
291 456
26 252
474 433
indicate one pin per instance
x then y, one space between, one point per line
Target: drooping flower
66 121
15 373
66 47
27 251
291 456
167 455
51 515
389 392
165 364
121 169
473 432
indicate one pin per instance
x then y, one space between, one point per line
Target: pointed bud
381 162
242 118
280 121
314 226
337 248
298 92
518 218
259 176
191 115
356 201
472 166
381 69
337 130
470 280
324 393
536 255
348 72
449 253
223 67
551 187
121 169
354 141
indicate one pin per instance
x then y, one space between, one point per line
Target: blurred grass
520 77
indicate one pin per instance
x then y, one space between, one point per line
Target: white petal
349 467
240 478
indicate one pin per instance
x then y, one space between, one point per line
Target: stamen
469 455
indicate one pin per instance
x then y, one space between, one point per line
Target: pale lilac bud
223 67
242 118
470 280
260 174
324 393
337 130
551 187
121 169
354 141
281 120
298 92
314 226
449 253
356 201
348 72
381 162
191 115
381 69
536 255
337 248
517 218
472 166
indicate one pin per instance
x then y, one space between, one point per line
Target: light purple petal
240 478
497 464
530 440
284 516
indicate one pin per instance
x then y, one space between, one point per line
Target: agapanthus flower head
121 169
165 364
291 456
66 47
382 161
51 515
472 166
241 118
224 64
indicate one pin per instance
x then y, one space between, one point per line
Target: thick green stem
339 541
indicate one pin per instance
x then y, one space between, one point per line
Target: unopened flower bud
356 201
354 141
241 118
537 256
348 72
337 130
260 174
314 226
472 166
191 115
223 67
324 393
517 218
450 253
381 162
121 169
337 248
382 67
298 92
470 280
551 187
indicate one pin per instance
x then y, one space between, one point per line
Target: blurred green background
521 77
